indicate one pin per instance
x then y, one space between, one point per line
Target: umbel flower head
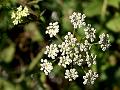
51 51
52 29
71 74
90 59
17 15
90 77
72 52
46 66
90 33
77 19
104 41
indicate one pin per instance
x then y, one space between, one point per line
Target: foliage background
22 46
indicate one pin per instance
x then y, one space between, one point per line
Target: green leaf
92 8
7 53
66 24
117 73
114 3
6 85
114 24
103 76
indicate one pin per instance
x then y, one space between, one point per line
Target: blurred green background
22 46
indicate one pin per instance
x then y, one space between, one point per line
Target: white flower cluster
85 46
90 33
104 41
78 20
17 15
51 51
90 77
64 60
71 74
90 59
52 29
46 66
78 60
72 52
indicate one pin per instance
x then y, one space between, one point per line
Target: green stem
74 32
103 11
53 61
94 43
83 69
58 38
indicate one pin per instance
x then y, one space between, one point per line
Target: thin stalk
59 39
83 69
74 32
103 11
94 43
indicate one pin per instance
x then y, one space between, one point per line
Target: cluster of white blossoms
90 77
71 74
51 51
17 15
72 52
90 33
78 20
90 59
64 60
52 29
46 66
69 50
85 46
104 41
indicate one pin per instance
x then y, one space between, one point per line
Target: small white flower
104 41
17 15
51 51
71 74
77 19
52 29
90 33
46 66
90 77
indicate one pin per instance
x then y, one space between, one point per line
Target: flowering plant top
70 52
73 52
